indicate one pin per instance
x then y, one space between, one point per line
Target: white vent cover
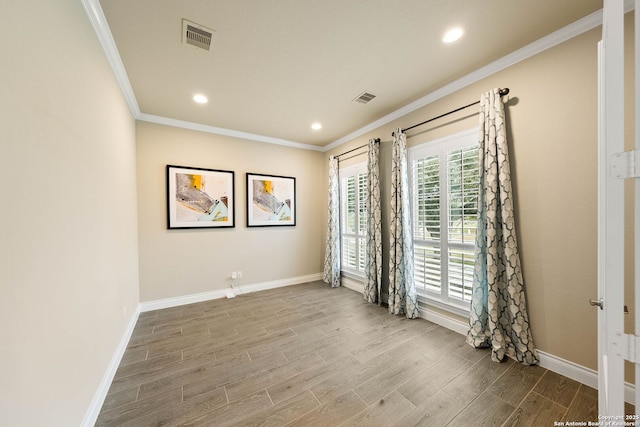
364 97
196 35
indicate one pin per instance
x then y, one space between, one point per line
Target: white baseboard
569 369
582 374
222 293
358 286
182 300
98 399
548 361
279 283
92 413
444 321
579 373
629 392
352 284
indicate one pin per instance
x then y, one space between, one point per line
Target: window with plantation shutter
444 191
353 218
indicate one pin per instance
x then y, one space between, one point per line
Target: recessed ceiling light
316 126
200 99
452 35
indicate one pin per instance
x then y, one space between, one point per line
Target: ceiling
275 67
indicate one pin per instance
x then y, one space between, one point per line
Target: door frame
613 344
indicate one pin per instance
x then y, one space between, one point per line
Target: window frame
441 147
359 235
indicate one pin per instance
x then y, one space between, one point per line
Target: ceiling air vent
196 35
364 97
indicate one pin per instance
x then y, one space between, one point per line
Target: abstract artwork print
199 197
270 200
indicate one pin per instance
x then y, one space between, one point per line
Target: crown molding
226 132
547 42
99 22
101 27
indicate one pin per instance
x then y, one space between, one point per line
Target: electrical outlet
234 275
239 274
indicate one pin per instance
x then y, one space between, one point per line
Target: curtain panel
373 254
332 250
403 298
498 315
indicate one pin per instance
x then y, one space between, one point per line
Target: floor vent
196 35
364 97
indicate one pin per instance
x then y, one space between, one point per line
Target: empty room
329 213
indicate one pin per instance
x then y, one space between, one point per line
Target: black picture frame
199 197
271 200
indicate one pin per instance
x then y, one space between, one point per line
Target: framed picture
199 198
271 200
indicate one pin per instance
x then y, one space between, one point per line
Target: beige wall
68 261
552 119
176 263
71 215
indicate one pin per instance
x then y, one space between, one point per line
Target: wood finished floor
309 355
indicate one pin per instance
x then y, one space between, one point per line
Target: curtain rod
503 92
354 149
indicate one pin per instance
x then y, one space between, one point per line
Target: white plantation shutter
444 183
349 198
353 210
426 173
348 221
349 252
462 185
362 203
427 271
461 263
362 220
426 222
463 181
362 251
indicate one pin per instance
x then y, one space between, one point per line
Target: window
353 217
444 190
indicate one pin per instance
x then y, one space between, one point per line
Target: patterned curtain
332 251
403 298
373 257
498 317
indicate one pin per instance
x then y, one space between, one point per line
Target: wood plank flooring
310 355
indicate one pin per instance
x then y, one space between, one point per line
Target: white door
614 167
